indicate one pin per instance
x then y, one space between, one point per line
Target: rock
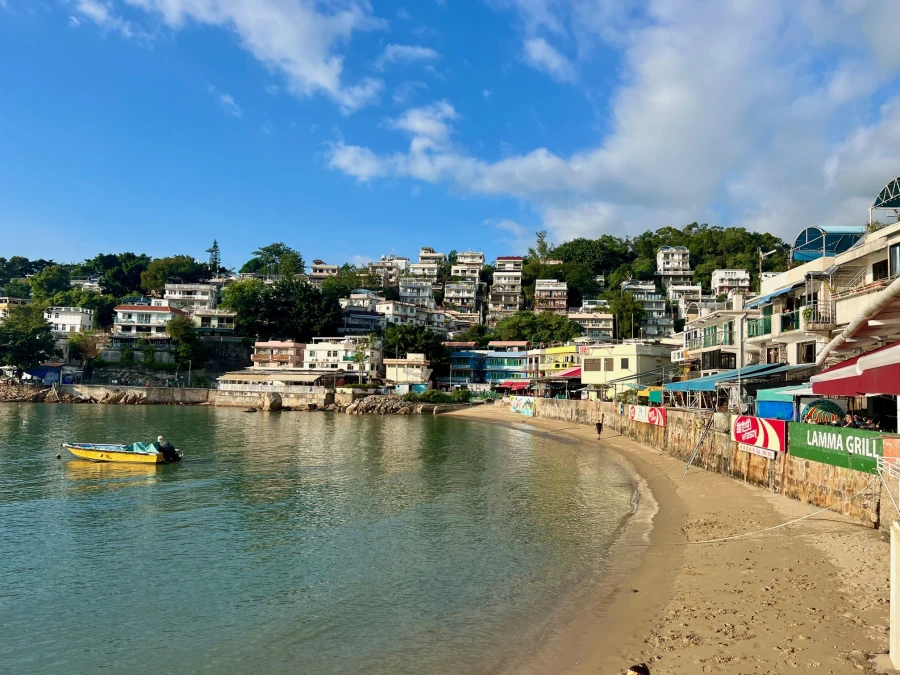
271 401
250 410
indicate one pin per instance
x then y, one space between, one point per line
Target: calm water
294 543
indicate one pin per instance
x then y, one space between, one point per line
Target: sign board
584 349
524 405
752 449
760 433
647 415
620 408
847 448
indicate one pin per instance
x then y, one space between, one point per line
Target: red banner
759 432
647 415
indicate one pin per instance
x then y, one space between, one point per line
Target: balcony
759 327
790 321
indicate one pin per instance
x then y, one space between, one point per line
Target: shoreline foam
810 598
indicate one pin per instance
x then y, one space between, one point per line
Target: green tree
478 333
268 258
628 313
19 267
347 280
403 339
290 265
103 305
188 345
181 267
120 273
288 309
17 289
48 282
361 354
215 258
543 328
25 338
87 345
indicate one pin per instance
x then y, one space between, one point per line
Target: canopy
817 241
889 197
766 299
514 384
784 394
569 372
708 383
877 372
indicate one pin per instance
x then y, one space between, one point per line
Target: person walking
599 425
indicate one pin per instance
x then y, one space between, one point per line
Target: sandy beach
811 597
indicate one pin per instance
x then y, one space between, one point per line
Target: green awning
784 394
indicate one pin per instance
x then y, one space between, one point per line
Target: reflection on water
299 542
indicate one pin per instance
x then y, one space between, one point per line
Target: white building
468 265
319 271
390 269
712 340
141 321
551 296
506 292
411 370
417 291
191 297
724 282
673 265
6 304
429 264
595 325
340 353
362 298
676 292
462 296
405 313
69 319
655 322
87 284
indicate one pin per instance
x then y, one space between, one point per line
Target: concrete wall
153 394
252 399
810 482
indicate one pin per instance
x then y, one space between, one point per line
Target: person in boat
169 453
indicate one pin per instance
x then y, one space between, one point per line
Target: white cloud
361 163
428 126
296 38
226 101
102 15
510 226
395 53
405 91
74 21
403 15
542 55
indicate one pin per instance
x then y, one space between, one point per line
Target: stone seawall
250 399
807 481
151 395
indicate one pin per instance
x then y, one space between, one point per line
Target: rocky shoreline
21 394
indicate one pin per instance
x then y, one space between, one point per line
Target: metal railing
759 327
274 388
790 321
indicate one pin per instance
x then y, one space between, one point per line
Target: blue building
467 364
507 361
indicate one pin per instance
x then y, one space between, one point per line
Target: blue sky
349 130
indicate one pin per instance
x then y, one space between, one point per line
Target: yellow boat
136 453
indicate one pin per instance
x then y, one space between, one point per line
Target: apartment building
673 266
417 291
362 298
655 322
134 322
87 284
319 271
549 361
390 269
400 313
726 282
214 321
340 353
468 265
277 355
607 365
429 264
7 303
505 361
675 292
69 319
594 325
467 364
191 297
712 341
551 296
505 296
462 296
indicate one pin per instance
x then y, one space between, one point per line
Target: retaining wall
160 395
254 399
807 481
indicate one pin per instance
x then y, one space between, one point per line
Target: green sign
847 448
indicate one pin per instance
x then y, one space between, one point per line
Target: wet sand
808 598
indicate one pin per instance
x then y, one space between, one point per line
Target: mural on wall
524 405
847 448
647 415
759 436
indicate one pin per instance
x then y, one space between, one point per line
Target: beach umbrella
822 411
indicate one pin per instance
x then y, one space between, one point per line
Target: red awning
877 372
570 372
514 384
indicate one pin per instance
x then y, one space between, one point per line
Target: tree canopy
287 309
188 345
48 282
347 280
269 257
182 269
403 339
542 328
25 338
628 313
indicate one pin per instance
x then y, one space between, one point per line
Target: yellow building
607 364
549 361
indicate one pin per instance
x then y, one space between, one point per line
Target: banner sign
524 405
620 408
847 448
760 433
647 415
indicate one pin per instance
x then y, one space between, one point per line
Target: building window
624 364
880 270
607 365
806 352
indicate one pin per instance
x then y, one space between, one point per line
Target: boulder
271 401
